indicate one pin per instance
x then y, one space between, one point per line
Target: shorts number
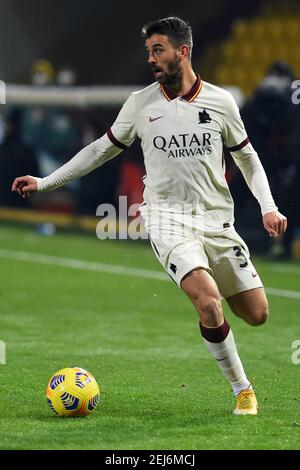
241 255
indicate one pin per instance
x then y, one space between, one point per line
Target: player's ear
184 52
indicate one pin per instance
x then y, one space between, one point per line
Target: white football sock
226 355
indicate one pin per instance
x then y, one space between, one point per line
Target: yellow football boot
246 403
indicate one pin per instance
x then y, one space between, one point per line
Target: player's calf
257 318
204 294
217 335
251 306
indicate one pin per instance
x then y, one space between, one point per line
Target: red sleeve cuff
115 141
240 146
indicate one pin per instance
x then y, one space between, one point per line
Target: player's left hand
275 223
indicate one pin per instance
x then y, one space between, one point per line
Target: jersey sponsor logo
152 119
254 274
204 117
184 145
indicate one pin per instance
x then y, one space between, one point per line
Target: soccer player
183 123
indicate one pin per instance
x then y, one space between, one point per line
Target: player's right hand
275 223
24 185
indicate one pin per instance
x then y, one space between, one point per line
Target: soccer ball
72 392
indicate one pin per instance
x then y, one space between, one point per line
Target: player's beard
173 75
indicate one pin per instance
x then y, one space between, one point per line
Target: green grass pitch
160 389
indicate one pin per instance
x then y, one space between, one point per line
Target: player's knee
259 317
210 310
207 304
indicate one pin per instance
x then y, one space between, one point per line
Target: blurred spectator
42 73
16 158
66 76
272 122
51 130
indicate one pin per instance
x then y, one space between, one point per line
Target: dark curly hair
178 31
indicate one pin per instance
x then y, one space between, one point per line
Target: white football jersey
182 140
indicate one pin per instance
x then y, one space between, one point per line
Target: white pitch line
290 294
80 264
285 268
112 269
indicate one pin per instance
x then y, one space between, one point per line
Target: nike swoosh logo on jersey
151 119
254 274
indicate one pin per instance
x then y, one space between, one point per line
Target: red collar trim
190 96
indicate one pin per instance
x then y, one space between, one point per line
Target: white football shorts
181 245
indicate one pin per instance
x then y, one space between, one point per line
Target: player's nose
151 60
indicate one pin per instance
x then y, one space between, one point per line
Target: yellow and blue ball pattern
72 392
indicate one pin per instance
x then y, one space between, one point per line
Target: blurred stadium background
80 65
